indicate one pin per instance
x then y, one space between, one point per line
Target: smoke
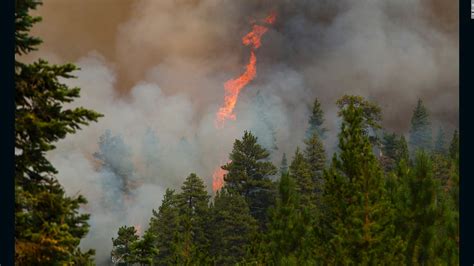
156 70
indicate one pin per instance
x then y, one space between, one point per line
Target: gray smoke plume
156 70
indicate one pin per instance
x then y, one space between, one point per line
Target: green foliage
420 131
394 150
315 155
316 121
421 210
300 172
193 205
143 250
48 226
356 225
290 226
249 175
122 251
233 229
164 225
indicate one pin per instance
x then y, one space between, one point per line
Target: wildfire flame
234 86
218 179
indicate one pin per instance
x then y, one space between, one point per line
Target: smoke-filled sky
156 70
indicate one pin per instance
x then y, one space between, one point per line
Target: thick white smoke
158 79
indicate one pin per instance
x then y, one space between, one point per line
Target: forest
380 199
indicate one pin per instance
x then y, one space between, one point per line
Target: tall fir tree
300 171
233 229
193 204
421 211
122 245
316 121
357 221
48 227
164 226
420 130
289 230
248 174
143 251
315 155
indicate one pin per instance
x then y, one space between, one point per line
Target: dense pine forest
380 199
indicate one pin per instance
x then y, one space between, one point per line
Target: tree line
379 200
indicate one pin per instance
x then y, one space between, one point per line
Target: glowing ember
218 179
234 86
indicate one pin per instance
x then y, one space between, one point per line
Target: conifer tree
420 131
143 250
193 204
290 227
315 155
122 245
164 226
300 172
233 229
421 211
249 174
357 221
316 121
48 227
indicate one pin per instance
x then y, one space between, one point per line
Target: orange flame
218 179
234 86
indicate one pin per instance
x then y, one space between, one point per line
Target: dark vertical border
466 98
7 135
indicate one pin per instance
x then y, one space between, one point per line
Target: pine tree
394 150
316 121
289 227
315 155
420 131
193 204
300 171
249 175
164 226
421 211
122 245
357 221
233 229
143 251
48 227
284 164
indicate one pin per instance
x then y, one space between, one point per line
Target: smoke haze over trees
156 70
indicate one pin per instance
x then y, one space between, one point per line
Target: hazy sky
159 66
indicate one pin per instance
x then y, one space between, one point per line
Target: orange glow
138 228
234 86
270 19
218 179
254 37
